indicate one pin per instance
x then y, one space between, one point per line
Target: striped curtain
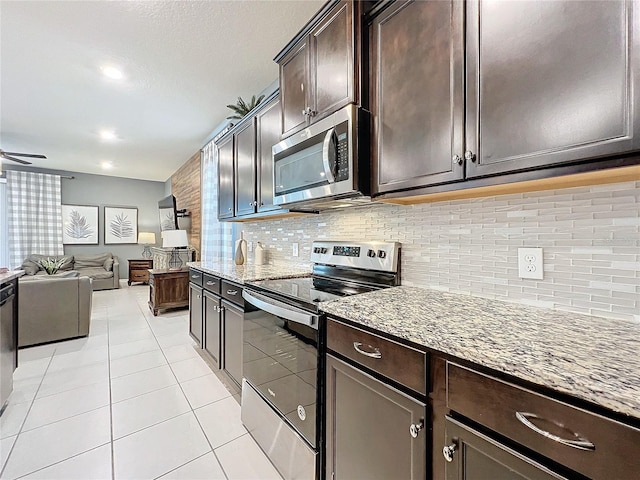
216 237
34 204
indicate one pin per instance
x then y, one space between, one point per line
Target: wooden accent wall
185 186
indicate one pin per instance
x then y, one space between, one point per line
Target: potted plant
241 108
51 265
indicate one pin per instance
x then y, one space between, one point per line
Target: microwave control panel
342 157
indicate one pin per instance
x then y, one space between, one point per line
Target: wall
185 186
590 236
102 190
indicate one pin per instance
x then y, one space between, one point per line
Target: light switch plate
530 263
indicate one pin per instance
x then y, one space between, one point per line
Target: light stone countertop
250 272
592 358
10 275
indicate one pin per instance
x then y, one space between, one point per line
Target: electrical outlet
249 247
295 249
530 263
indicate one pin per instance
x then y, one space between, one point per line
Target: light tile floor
133 400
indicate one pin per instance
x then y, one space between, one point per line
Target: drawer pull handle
210 283
580 443
448 451
195 276
232 292
375 354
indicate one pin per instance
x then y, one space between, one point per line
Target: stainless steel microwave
326 162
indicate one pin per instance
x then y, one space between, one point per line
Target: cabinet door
293 88
475 455
195 312
332 61
417 94
550 83
225 178
212 326
232 332
245 169
367 427
268 131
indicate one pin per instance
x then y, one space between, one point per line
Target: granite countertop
250 272
592 358
10 275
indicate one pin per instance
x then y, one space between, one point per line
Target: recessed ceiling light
112 72
107 135
106 165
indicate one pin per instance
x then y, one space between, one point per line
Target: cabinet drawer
232 292
400 363
140 264
139 276
211 283
195 276
602 448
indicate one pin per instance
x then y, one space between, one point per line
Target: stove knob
323 250
316 250
371 253
382 253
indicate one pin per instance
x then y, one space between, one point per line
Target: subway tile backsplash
590 236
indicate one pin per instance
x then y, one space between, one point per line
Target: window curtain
34 202
4 237
217 242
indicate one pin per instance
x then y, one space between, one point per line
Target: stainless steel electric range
281 367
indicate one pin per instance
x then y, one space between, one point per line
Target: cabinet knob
414 429
457 159
304 112
230 209
262 204
448 451
470 156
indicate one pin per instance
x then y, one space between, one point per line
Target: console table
138 270
168 289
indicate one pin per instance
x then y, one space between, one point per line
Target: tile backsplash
590 237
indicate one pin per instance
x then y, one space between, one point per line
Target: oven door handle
281 309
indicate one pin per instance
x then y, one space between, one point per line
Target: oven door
280 360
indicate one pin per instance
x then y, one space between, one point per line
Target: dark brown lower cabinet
212 329
232 321
371 427
195 312
475 456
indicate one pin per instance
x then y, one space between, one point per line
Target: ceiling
183 62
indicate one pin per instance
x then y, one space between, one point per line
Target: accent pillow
108 264
29 267
84 261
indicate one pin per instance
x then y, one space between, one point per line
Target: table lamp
174 239
146 239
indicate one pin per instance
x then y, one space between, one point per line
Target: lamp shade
174 238
146 238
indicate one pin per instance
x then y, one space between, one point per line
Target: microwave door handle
326 146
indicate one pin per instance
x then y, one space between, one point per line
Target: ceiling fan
12 156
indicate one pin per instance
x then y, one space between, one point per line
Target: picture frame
120 225
80 225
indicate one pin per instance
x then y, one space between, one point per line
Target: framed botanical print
79 225
120 225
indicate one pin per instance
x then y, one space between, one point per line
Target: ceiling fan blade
30 155
24 162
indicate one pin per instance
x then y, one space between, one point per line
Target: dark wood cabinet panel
212 327
293 88
332 61
549 83
195 312
368 428
245 168
268 131
225 178
476 456
417 94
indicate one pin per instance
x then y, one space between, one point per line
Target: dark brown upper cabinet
550 83
225 178
246 164
417 94
318 69
267 135
245 167
525 90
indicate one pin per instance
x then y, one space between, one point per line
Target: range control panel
382 256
